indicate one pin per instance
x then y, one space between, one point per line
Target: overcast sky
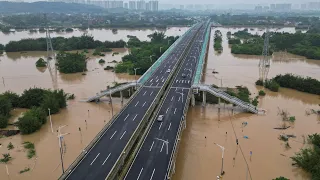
234 1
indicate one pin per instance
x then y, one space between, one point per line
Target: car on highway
184 75
160 118
169 70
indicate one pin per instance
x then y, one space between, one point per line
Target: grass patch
24 170
31 151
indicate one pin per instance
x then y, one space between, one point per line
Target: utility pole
111 104
181 94
50 120
222 148
60 137
264 63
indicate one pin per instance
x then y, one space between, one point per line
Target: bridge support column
121 96
204 98
193 101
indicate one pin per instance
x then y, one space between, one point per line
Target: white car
169 70
160 117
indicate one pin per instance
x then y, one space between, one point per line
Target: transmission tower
264 63
50 56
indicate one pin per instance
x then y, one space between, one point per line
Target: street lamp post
166 142
151 61
181 94
50 119
60 136
222 148
111 103
160 49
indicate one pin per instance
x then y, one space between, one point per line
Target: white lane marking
123 134
169 126
152 174
172 98
139 173
161 77
151 80
126 117
151 93
160 125
144 93
157 84
188 81
151 84
175 109
136 104
162 80
167 110
157 77
157 80
135 117
151 146
177 81
179 98
106 159
113 134
94 159
143 104
162 147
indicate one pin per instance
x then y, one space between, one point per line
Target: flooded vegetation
199 157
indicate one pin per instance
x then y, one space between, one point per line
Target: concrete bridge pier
193 100
121 96
204 98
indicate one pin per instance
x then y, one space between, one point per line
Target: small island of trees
217 41
71 62
38 101
41 63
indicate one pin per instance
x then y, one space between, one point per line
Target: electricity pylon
264 63
50 56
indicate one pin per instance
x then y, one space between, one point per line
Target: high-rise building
141 5
181 6
154 5
132 5
126 5
303 6
148 6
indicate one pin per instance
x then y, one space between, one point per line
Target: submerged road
101 158
153 158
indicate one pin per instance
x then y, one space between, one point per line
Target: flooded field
98 34
199 157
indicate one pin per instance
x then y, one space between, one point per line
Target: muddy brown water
198 157
98 34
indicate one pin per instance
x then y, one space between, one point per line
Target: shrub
6 158
259 82
272 85
32 120
101 61
24 170
30 147
5 106
50 102
71 62
32 97
262 93
281 178
255 101
234 41
10 146
4 121
13 97
41 63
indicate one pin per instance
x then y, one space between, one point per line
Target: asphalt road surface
153 158
100 159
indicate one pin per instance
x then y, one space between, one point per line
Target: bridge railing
201 61
183 122
157 63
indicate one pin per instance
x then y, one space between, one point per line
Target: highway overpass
107 152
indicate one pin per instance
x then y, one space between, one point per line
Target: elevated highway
107 152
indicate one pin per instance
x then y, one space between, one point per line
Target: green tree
5 106
13 97
3 121
32 120
10 146
50 102
31 97
281 178
41 63
71 62
262 93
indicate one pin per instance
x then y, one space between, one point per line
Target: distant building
280 7
126 5
258 8
181 6
148 6
141 5
132 5
314 5
303 6
154 5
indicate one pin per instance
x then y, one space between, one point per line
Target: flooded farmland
199 157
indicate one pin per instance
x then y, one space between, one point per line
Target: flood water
198 157
98 34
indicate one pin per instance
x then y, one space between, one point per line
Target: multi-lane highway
101 158
152 160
